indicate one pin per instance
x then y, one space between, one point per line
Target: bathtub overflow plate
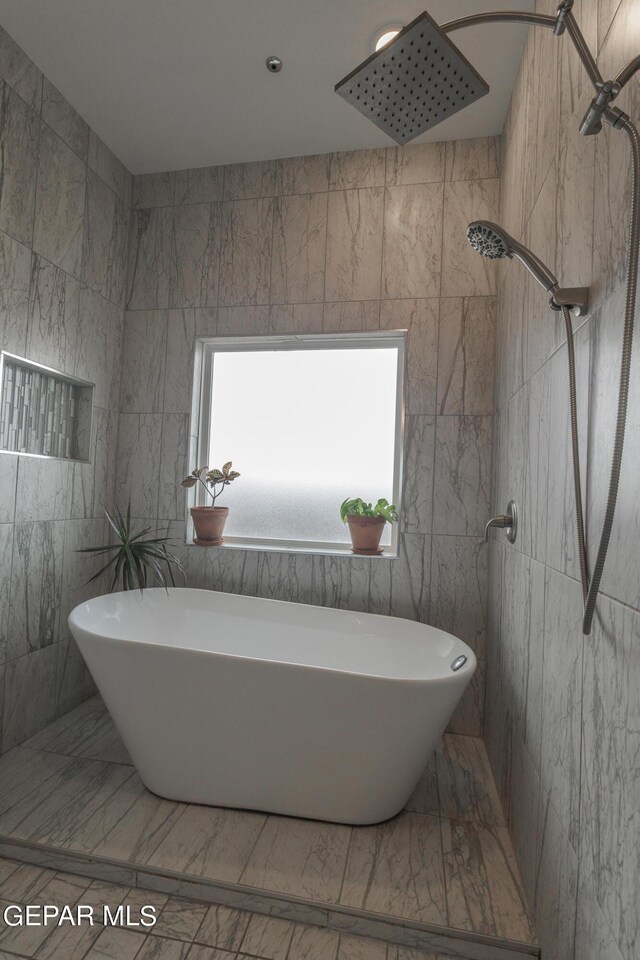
458 662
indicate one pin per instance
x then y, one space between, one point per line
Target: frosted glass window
307 424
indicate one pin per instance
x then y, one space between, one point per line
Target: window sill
309 549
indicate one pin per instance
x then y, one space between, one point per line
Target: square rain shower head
414 82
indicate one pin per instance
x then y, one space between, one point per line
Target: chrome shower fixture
414 82
420 78
490 240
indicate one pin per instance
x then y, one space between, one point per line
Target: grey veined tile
19 126
62 118
98 350
15 277
180 919
396 868
140 439
299 241
54 316
105 163
244 181
313 943
462 483
149 259
418 474
195 255
465 781
610 795
199 185
19 71
415 163
36 588
303 174
354 244
304 855
210 842
69 943
466 347
475 159
562 699
139 832
245 252
23 770
424 798
420 319
104 266
268 937
145 337
116 944
464 272
159 948
153 190
73 809
412 250
459 589
357 168
60 196
87 731
223 927
483 886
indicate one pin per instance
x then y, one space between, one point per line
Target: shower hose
590 587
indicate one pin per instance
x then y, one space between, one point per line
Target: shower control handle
507 521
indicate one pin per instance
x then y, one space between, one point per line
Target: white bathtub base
261 705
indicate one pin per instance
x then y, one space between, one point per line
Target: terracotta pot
209 525
366 533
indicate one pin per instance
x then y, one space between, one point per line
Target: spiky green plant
136 561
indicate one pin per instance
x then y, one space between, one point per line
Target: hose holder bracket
575 299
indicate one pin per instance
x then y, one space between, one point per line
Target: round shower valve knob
274 64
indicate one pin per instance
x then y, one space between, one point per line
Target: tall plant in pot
209 520
366 523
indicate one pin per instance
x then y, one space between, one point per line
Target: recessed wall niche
43 412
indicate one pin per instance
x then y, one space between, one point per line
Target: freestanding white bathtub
241 702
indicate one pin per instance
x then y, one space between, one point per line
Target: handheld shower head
490 240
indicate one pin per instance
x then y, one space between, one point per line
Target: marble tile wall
64 209
368 240
562 711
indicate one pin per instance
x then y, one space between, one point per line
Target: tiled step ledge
410 933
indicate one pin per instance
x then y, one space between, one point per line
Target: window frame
204 362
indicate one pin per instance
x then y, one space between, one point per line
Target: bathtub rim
464 674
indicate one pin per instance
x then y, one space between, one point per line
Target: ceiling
170 84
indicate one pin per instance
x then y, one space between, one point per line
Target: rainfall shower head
414 82
490 240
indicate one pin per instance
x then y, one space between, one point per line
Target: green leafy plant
212 479
358 508
137 560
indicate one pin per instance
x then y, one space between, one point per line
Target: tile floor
185 929
446 860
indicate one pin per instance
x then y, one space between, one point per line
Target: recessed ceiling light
387 36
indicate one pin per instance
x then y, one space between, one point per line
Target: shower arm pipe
538 20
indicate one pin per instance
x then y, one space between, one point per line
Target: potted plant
135 560
366 523
209 520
